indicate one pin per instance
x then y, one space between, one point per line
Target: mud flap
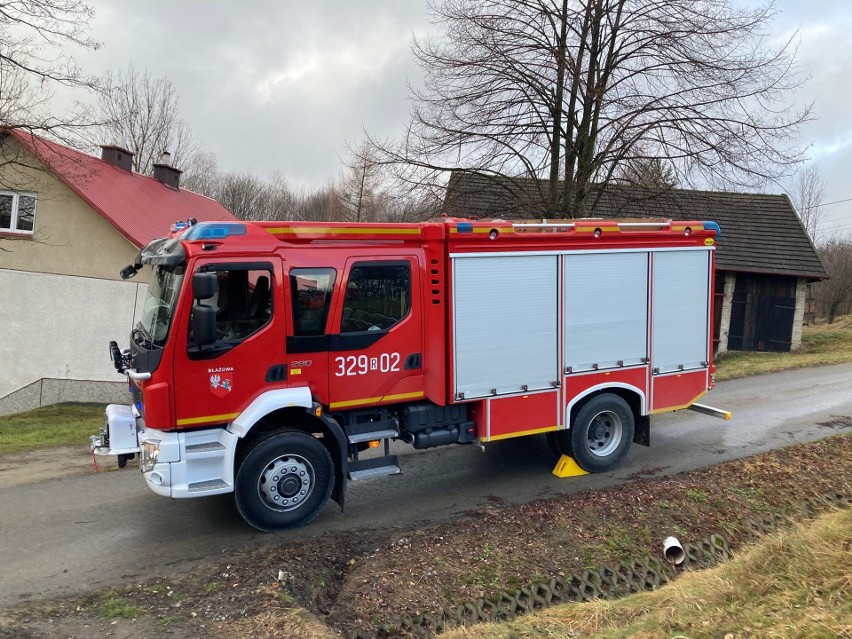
642 431
340 456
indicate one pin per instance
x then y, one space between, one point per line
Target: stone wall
799 313
727 303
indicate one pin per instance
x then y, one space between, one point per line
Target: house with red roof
69 222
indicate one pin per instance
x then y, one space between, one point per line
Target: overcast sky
281 86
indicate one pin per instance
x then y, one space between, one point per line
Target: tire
284 481
553 443
601 434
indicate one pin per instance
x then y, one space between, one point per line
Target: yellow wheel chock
567 467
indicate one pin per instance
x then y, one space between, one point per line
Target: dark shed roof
760 233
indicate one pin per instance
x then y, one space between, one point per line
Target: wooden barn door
762 313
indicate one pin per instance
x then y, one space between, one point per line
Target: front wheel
284 481
600 436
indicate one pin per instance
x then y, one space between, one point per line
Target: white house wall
58 327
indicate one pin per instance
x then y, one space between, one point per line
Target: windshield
159 307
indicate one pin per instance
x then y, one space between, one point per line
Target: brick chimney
117 156
166 173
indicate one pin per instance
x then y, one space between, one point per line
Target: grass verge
797 583
114 607
822 344
58 425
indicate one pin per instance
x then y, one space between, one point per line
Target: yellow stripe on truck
347 230
228 417
373 400
521 433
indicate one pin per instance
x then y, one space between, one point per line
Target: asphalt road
61 537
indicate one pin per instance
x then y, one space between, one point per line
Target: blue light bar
465 227
214 231
712 226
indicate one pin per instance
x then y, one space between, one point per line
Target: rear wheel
284 481
601 434
553 443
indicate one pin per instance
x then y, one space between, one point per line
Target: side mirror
129 271
203 322
204 285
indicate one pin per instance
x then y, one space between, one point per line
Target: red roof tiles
140 207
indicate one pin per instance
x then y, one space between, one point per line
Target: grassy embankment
71 424
822 344
795 584
59 425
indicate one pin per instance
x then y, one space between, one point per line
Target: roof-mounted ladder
564 227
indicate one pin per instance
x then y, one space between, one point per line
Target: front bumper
179 465
118 436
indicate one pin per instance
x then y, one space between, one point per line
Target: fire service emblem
221 383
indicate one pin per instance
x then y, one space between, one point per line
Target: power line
816 206
837 224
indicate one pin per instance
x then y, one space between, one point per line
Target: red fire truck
271 355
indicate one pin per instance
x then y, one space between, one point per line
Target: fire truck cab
271 355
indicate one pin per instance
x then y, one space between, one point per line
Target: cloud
271 86
823 149
280 85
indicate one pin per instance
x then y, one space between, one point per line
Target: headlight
149 453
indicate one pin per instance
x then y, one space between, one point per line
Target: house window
17 211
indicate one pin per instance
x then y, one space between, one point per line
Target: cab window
243 303
311 289
378 296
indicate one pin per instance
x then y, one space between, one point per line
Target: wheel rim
286 483
605 433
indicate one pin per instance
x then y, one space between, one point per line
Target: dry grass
283 623
822 344
794 584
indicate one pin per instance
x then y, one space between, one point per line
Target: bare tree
281 201
247 196
358 186
563 92
361 196
834 296
243 194
808 195
202 175
142 112
322 204
650 174
35 37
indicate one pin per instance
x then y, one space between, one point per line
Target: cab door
376 343
215 382
310 293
